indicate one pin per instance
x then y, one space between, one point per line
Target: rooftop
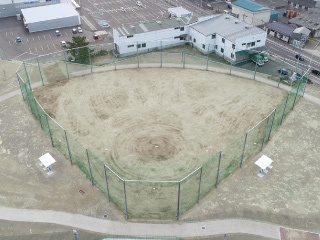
44 13
137 28
179 11
226 26
284 28
309 19
251 6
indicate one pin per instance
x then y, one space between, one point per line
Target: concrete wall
8 10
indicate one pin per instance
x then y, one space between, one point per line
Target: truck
257 58
265 57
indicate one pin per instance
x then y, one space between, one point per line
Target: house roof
251 6
280 27
226 26
137 28
309 19
306 3
302 30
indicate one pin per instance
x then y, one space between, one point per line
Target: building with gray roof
310 20
280 30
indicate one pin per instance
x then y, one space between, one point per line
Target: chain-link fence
143 198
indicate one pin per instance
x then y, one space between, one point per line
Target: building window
138 45
181 28
194 40
203 46
129 46
232 55
248 44
177 37
130 36
222 50
213 36
243 44
144 44
258 40
190 38
233 46
216 46
177 28
253 44
223 40
268 32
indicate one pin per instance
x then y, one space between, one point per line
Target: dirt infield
155 124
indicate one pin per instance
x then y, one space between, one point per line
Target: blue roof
251 6
274 12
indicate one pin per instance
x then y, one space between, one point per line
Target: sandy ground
8 79
155 124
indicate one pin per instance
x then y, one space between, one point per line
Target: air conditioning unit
159 22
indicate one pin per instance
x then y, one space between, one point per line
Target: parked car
122 9
315 71
283 71
209 6
80 30
139 4
96 37
298 56
74 30
63 44
19 39
58 33
106 25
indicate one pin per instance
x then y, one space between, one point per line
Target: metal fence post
105 174
161 54
25 69
89 166
230 67
90 59
64 54
125 198
35 103
218 170
208 57
114 58
29 101
65 134
178 210
264 135
138 55
274 114
304 89
284 108
40 71
184 55
20 86
244 147
255 70
199 184
294 102
280 73
49 129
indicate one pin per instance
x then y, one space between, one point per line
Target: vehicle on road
298 56
283 71
316 72
265 57
96 37
139 4
106 25
58 33
258 59
209 6
230 6
122 9
74 30
63 44
19 39
80 30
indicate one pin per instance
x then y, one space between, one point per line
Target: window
258 40
203 46
177 37
253 44
213 36
233 46
130 36
248 44
138 45
177 28
144 44
222 50
181 28
232 55
223 40
243 44
129 46
216 46
190 38
194 40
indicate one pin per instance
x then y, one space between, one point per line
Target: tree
79 50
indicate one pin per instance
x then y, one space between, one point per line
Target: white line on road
36 49
50 36
9 42
12 33
29 50
44 37
27 39
42 48
66 33
88 23
54 46
274 49
38 37
32 38
48 47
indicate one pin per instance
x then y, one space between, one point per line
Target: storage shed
50 17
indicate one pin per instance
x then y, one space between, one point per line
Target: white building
223 34
50 17
179 12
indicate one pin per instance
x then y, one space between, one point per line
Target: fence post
64 54
218 170
161 54
208 57
20 86
280 73
184 55
304 89
114 58
255 70
29 101
40 71
264 135
105 174
125 198
274 114
199 184
294 102
25 69
35 103
137 55
49 129
244 147
284 108
90 59
65 134
230 67
89 166
178 210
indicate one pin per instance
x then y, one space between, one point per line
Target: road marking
66 33
9 42
88 23
29 50
44 36
50 36
12 33
54 46
36 49
274 49
38 37
20 55
33 38
27 40
42 48
48 47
